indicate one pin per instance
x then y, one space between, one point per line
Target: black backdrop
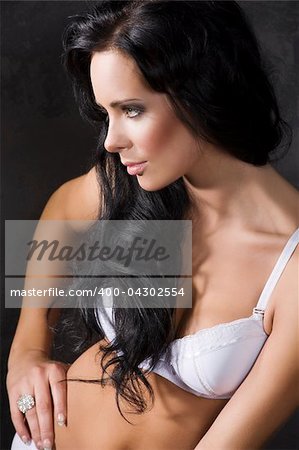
45 142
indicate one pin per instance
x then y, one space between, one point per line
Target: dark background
45 142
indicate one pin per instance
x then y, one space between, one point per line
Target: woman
177 91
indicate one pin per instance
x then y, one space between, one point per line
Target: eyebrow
119 102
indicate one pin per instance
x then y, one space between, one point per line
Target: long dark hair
205 57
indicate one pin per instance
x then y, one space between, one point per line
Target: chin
151 185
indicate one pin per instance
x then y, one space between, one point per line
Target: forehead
113 73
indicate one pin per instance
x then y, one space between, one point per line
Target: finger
18 419
44 408
33 425
20 426
57 380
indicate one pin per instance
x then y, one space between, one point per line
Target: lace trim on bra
257 314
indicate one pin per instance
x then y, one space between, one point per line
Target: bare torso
230 269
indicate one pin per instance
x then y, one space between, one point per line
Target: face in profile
142 127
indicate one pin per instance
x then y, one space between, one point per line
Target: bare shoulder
287 196
286 292
285 296
77 199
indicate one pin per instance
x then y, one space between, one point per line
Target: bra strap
277 271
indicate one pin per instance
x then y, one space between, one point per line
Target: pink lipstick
135 169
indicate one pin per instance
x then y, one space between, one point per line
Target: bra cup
224 369
216 362
212 363
187 370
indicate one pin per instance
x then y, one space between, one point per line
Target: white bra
214 361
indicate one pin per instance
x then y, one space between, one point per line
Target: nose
115 140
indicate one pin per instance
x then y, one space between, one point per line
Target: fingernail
39 445
26 440
47 445
60 420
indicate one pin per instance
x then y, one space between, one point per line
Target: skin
154 135
239 210
225 191
30 368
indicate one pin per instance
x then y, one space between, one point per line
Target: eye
132 111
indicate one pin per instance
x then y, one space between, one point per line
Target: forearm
33 332
31 370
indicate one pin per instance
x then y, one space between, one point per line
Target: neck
227 190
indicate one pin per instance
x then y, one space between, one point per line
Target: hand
34 373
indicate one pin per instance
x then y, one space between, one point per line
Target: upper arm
67 213
269 394
76 200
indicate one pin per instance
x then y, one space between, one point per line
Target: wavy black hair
206 58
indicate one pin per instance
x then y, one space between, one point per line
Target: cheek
163 138
152 139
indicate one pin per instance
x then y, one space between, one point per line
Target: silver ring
25 402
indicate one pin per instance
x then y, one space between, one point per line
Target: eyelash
132 108
138 110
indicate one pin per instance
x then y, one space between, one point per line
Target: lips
133 163
136 168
